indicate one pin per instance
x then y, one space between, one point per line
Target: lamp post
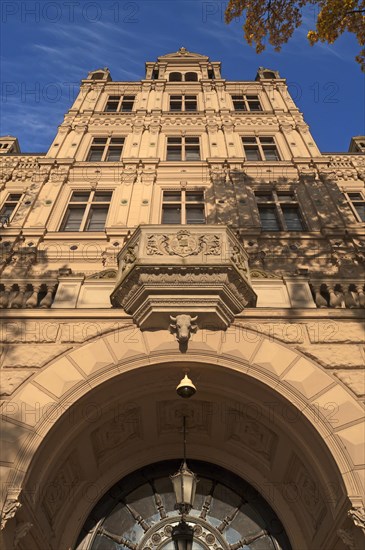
184 484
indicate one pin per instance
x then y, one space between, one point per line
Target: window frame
6 219
280 206
184 147
246 102
107 147
121 99
89 206
352 202
183 100
184 205
261 147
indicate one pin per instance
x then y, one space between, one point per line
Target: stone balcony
196 270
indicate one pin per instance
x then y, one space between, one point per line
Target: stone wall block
335 356
12 380
85 330
336 332
354 379
29 331
290 333
32 356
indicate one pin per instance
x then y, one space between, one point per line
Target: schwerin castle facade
182 224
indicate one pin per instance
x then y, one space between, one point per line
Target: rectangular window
183 207
260 148
357 203
183 148
8 208
269 220
120 103
183 103
87 211
106 149
244 102
279 211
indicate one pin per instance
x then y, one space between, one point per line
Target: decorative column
47 301
4 297
350 301
18 301
360 291
335 299
32 301
319 299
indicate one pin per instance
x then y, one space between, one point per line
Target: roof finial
182 50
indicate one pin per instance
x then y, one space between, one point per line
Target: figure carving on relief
238 259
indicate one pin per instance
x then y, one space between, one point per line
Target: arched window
191 77
175 77
269 74
139 513
97 76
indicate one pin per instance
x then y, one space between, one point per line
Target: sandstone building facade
182 223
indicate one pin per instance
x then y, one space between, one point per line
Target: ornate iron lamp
184 484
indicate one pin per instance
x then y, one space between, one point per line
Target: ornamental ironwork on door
139 513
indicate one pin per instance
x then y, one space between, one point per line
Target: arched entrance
109 408
139 513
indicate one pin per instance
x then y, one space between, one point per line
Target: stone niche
174 269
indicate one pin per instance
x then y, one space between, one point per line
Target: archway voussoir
240 344
353 437
29 406
274 357
92 357
60 377
306 378
338 407
126 343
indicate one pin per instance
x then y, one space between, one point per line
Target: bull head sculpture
183 326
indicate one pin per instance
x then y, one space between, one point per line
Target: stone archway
313 480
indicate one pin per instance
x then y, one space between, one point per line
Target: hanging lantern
184 484
182 535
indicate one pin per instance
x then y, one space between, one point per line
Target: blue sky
47 47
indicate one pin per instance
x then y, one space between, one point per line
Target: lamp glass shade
184 484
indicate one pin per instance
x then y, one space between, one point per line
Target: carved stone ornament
183 326
358 517
168 270
183 243
9 510
106 274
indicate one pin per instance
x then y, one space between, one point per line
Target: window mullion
262 155
85 216
280 215
183 205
